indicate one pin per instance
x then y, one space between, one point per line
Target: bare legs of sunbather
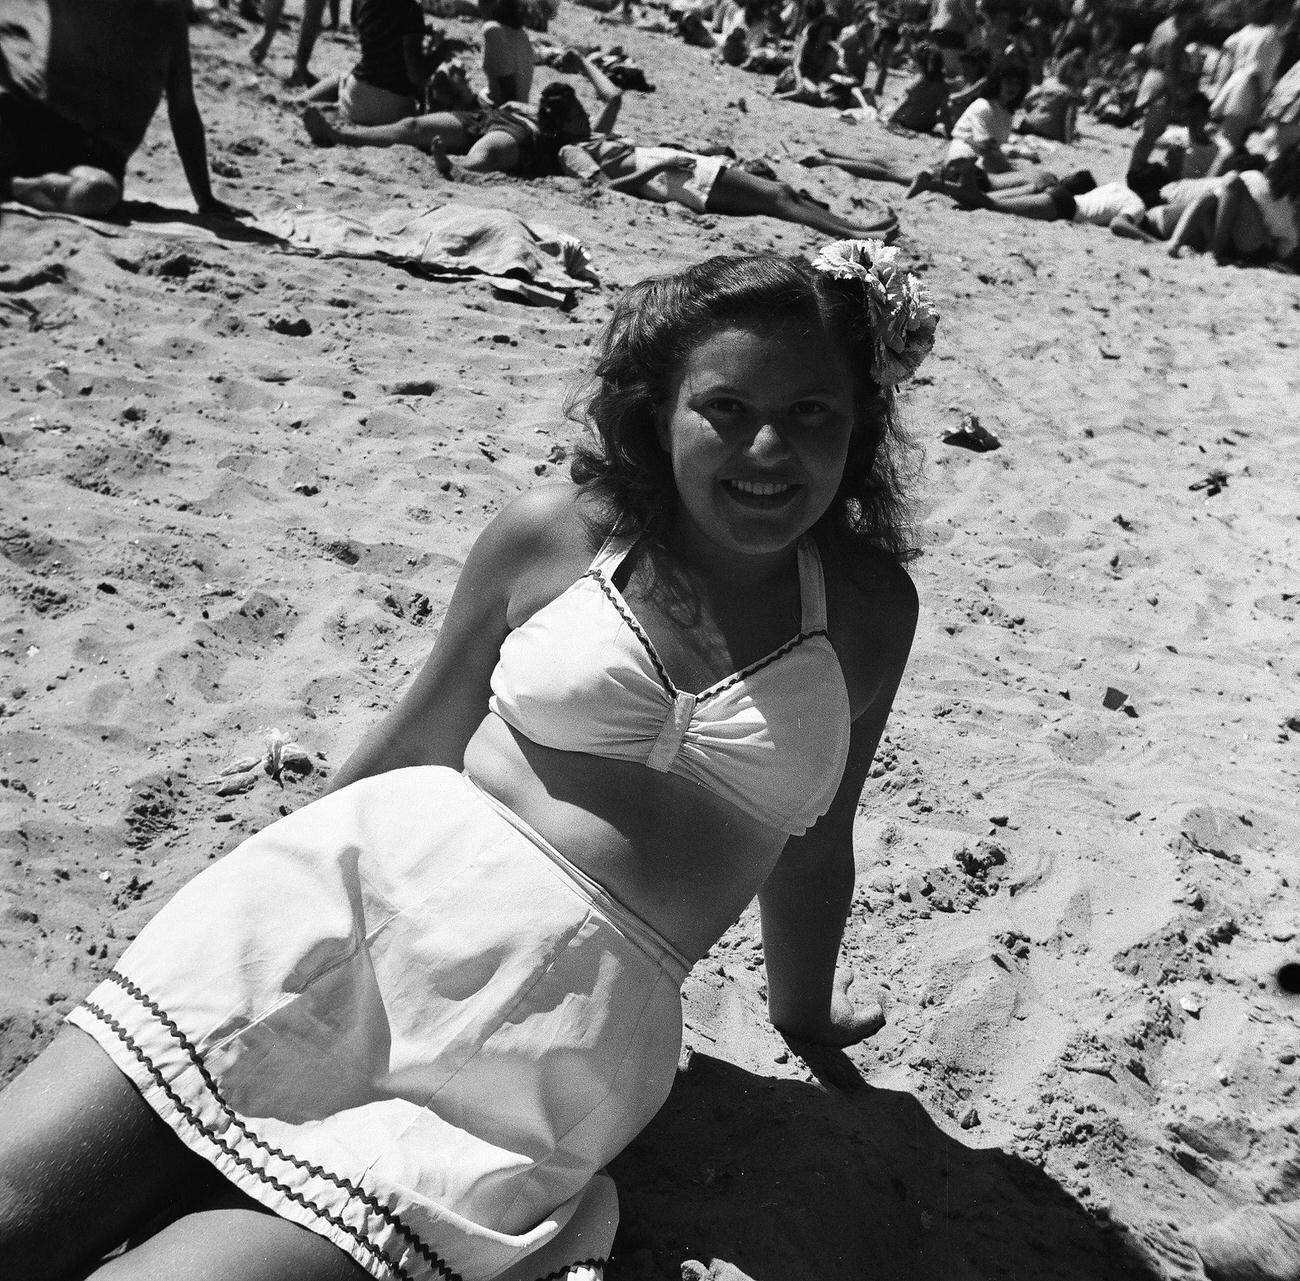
83 190
1225 222
313 12
441 134
739 193
859 166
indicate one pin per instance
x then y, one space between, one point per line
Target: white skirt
401 1019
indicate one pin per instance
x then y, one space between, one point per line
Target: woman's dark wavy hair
658 322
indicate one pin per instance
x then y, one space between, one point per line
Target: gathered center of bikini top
581 675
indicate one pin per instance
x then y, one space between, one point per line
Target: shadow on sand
142 214
791 1182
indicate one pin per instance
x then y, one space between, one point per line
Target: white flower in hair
903 318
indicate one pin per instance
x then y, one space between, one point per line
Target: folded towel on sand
532 263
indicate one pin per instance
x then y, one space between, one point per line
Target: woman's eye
725 405
811 408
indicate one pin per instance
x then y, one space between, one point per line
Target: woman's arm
610 95
805 901
418 67
438 714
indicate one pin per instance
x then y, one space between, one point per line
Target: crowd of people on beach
1215 114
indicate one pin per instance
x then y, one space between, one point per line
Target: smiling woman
656 693
757 432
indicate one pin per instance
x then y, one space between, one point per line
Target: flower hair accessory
903 318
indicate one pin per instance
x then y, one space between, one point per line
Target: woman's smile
758 429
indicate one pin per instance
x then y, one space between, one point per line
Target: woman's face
758 428
575 124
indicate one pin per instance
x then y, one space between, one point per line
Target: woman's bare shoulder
539 543
545 520
871 611
869 582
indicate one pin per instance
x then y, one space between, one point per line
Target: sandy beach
239 481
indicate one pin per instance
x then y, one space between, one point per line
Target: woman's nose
767 441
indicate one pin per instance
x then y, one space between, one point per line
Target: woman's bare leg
859 166
83 190
414 131
1195 227
229 1237
271 11
745 195
84 1161
495 152
313 14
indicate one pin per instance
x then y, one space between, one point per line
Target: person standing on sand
313 14
1168 81
508 57
80 81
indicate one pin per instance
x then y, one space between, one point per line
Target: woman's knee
92 192
493 153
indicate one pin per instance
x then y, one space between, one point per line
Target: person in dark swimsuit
80 81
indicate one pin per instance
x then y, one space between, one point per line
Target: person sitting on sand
401 1032
978 153
741 28
969 82
1280 118
80 81
387 83
703 184
313 12
925 100
1247 72
1050 109
506 139
508 57
815 63
1188 150
856 40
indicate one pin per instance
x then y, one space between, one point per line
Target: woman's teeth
760 488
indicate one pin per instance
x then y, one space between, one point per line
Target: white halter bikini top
581 675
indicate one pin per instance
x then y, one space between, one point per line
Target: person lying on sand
704 184
511 138
79 83
876 168
1077 198
1249 216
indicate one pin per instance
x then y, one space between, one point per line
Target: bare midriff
684 860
